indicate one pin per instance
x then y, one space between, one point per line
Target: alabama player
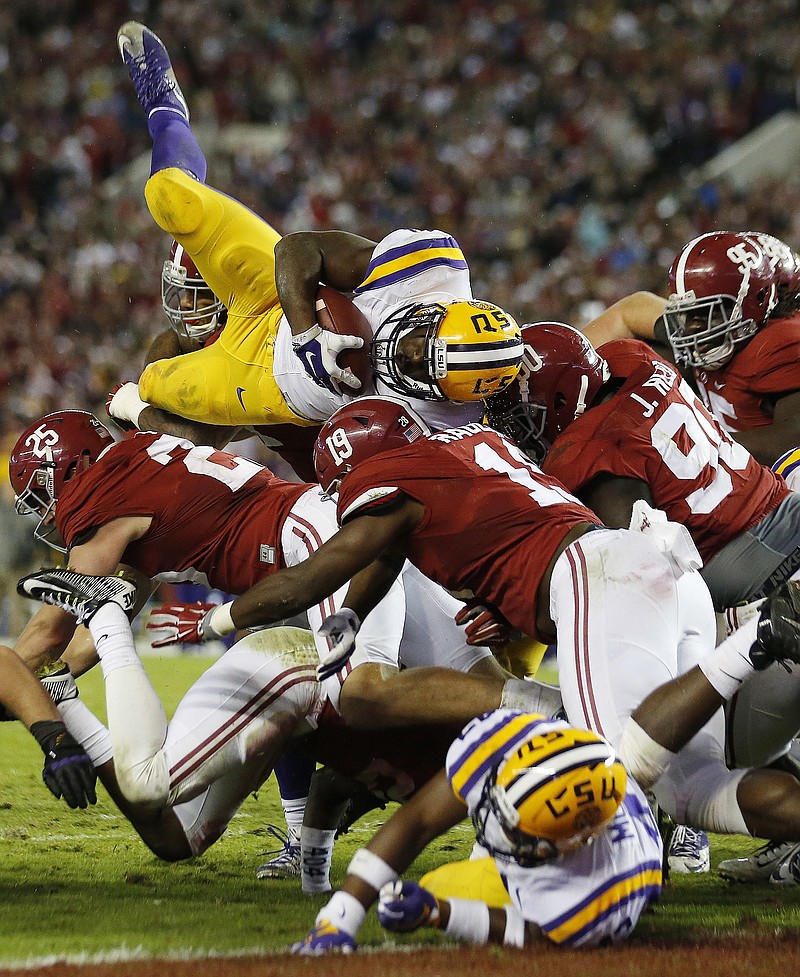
733 321
433 342
620 425
570 833
180 782
473 513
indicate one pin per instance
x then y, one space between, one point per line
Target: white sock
136 718
293 811
729 665
87 729
113 638
316 846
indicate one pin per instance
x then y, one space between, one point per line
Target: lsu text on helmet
462 351
724 287
47 454
368 426
193 310
556 792
560 376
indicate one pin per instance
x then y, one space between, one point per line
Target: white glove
124 404
671 538
318 349
341 628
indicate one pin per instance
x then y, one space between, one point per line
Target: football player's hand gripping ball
318 349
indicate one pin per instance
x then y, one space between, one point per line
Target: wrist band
371 868
469 920
344 912
303 337
515 927
128 405
219 621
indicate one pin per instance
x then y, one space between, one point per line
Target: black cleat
80 594
778 635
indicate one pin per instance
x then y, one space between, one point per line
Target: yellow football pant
477 879
230 382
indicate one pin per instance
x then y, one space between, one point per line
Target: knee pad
146 782
176 201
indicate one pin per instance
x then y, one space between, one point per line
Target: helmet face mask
724 288
554 794
560 376
47 454
193 310
468 349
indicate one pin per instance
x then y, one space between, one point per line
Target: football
336 313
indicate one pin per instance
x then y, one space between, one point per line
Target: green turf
82 883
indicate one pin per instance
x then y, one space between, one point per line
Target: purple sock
174 144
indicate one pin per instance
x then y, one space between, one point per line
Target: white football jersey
590 897
407 266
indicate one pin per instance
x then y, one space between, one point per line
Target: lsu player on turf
620 424
433 341
571 851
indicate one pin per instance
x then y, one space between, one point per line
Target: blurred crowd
556 141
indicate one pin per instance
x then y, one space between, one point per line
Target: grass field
80 885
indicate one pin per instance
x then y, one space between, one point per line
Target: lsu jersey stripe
788 462
414 258
478 757
641 883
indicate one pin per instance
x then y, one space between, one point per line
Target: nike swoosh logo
309 358
239 392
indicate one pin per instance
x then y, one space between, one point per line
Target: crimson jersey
212 512
492 520
655 429
742 392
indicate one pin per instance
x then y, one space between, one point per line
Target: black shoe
80 594
361 802
778 635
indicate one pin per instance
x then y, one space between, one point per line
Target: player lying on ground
538 794
184 780
572 837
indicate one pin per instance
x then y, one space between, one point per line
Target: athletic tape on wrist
515 927
220 622
469 920
128 405
371 868
344 912
302 338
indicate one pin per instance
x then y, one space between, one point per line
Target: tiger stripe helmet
556 792
471 350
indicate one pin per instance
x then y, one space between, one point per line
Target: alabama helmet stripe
680 269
